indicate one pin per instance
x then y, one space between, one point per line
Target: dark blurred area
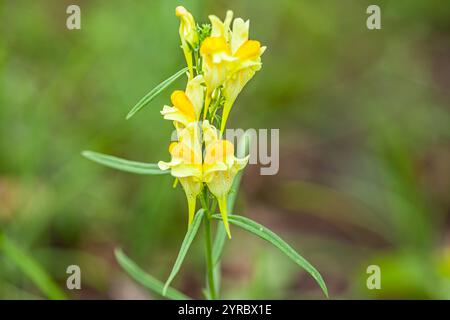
364 125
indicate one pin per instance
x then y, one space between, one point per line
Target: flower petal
250 49
172 113
182 102
210 133
188 35
195 93
240 34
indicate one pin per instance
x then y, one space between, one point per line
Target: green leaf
31 268
219 240
266 234
124 165
206 294
155 92
145 279
219 243
192 231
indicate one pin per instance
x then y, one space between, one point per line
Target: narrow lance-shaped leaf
192 231
219 243
31 268
268 235
155 92
124 165
145 279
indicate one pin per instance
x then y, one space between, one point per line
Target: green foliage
188 238
155 92
145 279
204 31
31 268
268 235
365 121
124 165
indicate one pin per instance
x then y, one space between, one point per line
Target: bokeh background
364 154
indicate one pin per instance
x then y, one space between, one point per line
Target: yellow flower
216 54
187 105
188 35
186 164
216 57
249 61
229 59
220 167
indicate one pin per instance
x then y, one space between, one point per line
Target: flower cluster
221 60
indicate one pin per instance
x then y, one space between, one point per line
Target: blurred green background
364 154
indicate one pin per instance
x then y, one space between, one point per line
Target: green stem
209 259
208 244
216 106
197 63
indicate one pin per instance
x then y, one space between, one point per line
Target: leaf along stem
155 92
188 238
268 235
148 281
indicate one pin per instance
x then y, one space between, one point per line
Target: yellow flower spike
229 60
187 105
188 35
